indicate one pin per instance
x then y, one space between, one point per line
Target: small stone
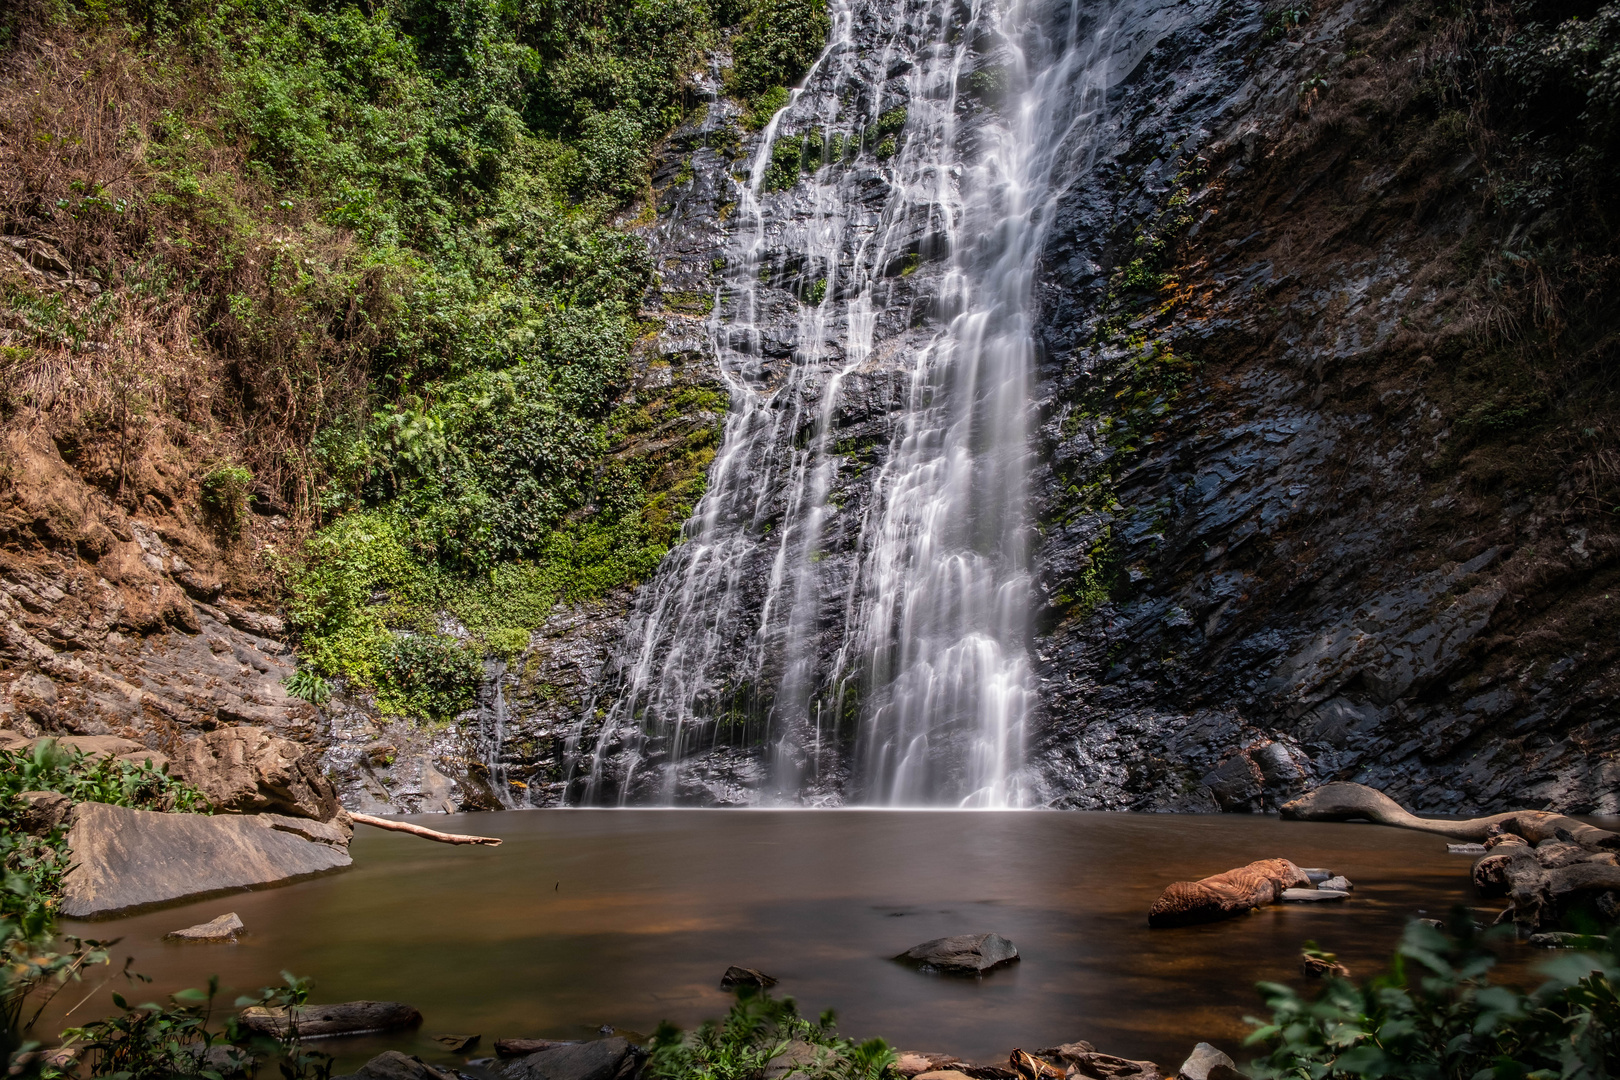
1337 884
519 1047
1317 967
741 976
1309 896
456 1043
1465 849
224 928
965 954
1203 1058
916 1062
1316 873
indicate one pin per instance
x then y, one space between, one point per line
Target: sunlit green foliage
777 44
757 1031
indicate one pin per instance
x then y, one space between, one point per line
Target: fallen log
1340 801
1222 896
426 834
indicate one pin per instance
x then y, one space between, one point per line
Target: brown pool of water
624 918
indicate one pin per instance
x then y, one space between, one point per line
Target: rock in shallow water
1312 896
964 954
1202 1060
740 976
344 1018
599 1060
126 859
393 1065
224 928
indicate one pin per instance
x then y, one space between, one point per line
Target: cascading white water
803 653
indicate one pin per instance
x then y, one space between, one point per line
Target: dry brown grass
199 311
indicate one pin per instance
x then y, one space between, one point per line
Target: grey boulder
1312 896
393 1065
128 859
1202 1061
224 928
319 1021
600 1060
964 954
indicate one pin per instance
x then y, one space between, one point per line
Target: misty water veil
875 650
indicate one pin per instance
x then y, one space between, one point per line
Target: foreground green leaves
1435 1015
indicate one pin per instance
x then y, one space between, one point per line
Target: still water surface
625 918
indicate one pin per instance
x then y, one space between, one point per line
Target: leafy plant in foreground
1435 1015
757 1031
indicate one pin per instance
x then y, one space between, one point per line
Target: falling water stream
795 650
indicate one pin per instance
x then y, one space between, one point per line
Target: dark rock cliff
1310 559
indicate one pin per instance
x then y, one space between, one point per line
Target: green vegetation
758 1030
225 494
34 864
389 228
777 43
1435 1015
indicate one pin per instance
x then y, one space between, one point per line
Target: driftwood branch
1343 802
426 834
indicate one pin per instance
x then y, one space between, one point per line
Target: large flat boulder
126 859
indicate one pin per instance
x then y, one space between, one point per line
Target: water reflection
584 918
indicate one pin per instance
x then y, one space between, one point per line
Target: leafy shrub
305 685
777 44
427 675
758 1030
1435 1014
225 493
787 156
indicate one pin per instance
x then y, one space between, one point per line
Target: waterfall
492 717
847 620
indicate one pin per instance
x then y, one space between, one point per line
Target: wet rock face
1296 589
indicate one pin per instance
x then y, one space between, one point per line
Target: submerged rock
344 1018
393 1065
741 976
224 928
964 954
599 1060
456 1043
519 1047
127 859
1312 896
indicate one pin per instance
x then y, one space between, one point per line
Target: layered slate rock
126 859
250 770
964 954
599 1060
